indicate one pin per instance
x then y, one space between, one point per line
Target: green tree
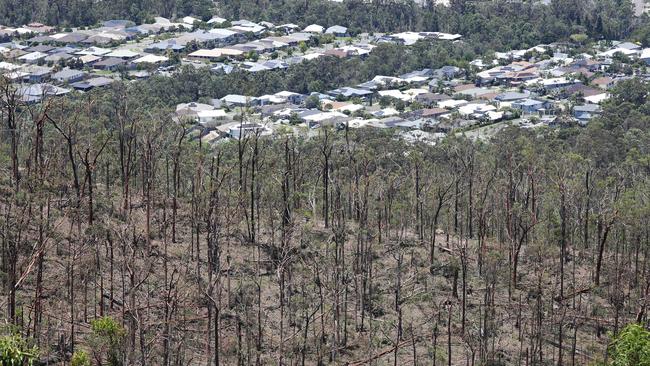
312 102
14 350
80 358
303 47
631 347
107 339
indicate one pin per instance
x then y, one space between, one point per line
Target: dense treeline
127 241
73 13
492 25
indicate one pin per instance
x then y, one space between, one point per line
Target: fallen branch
382 353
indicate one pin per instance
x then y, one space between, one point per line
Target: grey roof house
69 76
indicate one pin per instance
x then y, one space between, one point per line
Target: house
89 59
123 54
270 99
96 82
109 64
190 20
597 99
235 100
419 77
224 36
430 99
645 55
34 93
151 59
275 64
604 82
315 118
629 46
447 72
75 37
347 92
32 57
584 113
37 74
253 67
210 116
7 66
530 106
245 129
288 28
249 27
215 20
291 97
40 48
58 57
68 76
95 51
553 83
169 44
337 30
576 90
314 28
476 110
452 103
433 112
216 53
40 28
507 98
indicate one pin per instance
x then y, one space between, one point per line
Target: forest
126 241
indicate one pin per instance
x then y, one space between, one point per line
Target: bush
631 347
80 358
107 339
14 350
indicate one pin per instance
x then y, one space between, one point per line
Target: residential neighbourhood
538 87
534 87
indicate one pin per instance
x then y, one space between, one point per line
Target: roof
33 56
217 20
118 23
529 102
238 99
40 48
336 29
194 107
92 83
96 51
56 57
216 53
314 28
350 92
67 74
35 92
8 66
511 96
222 33
70 37
123 53
629 46
587 108
89 59
38 70
111 61
153 59
432 112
